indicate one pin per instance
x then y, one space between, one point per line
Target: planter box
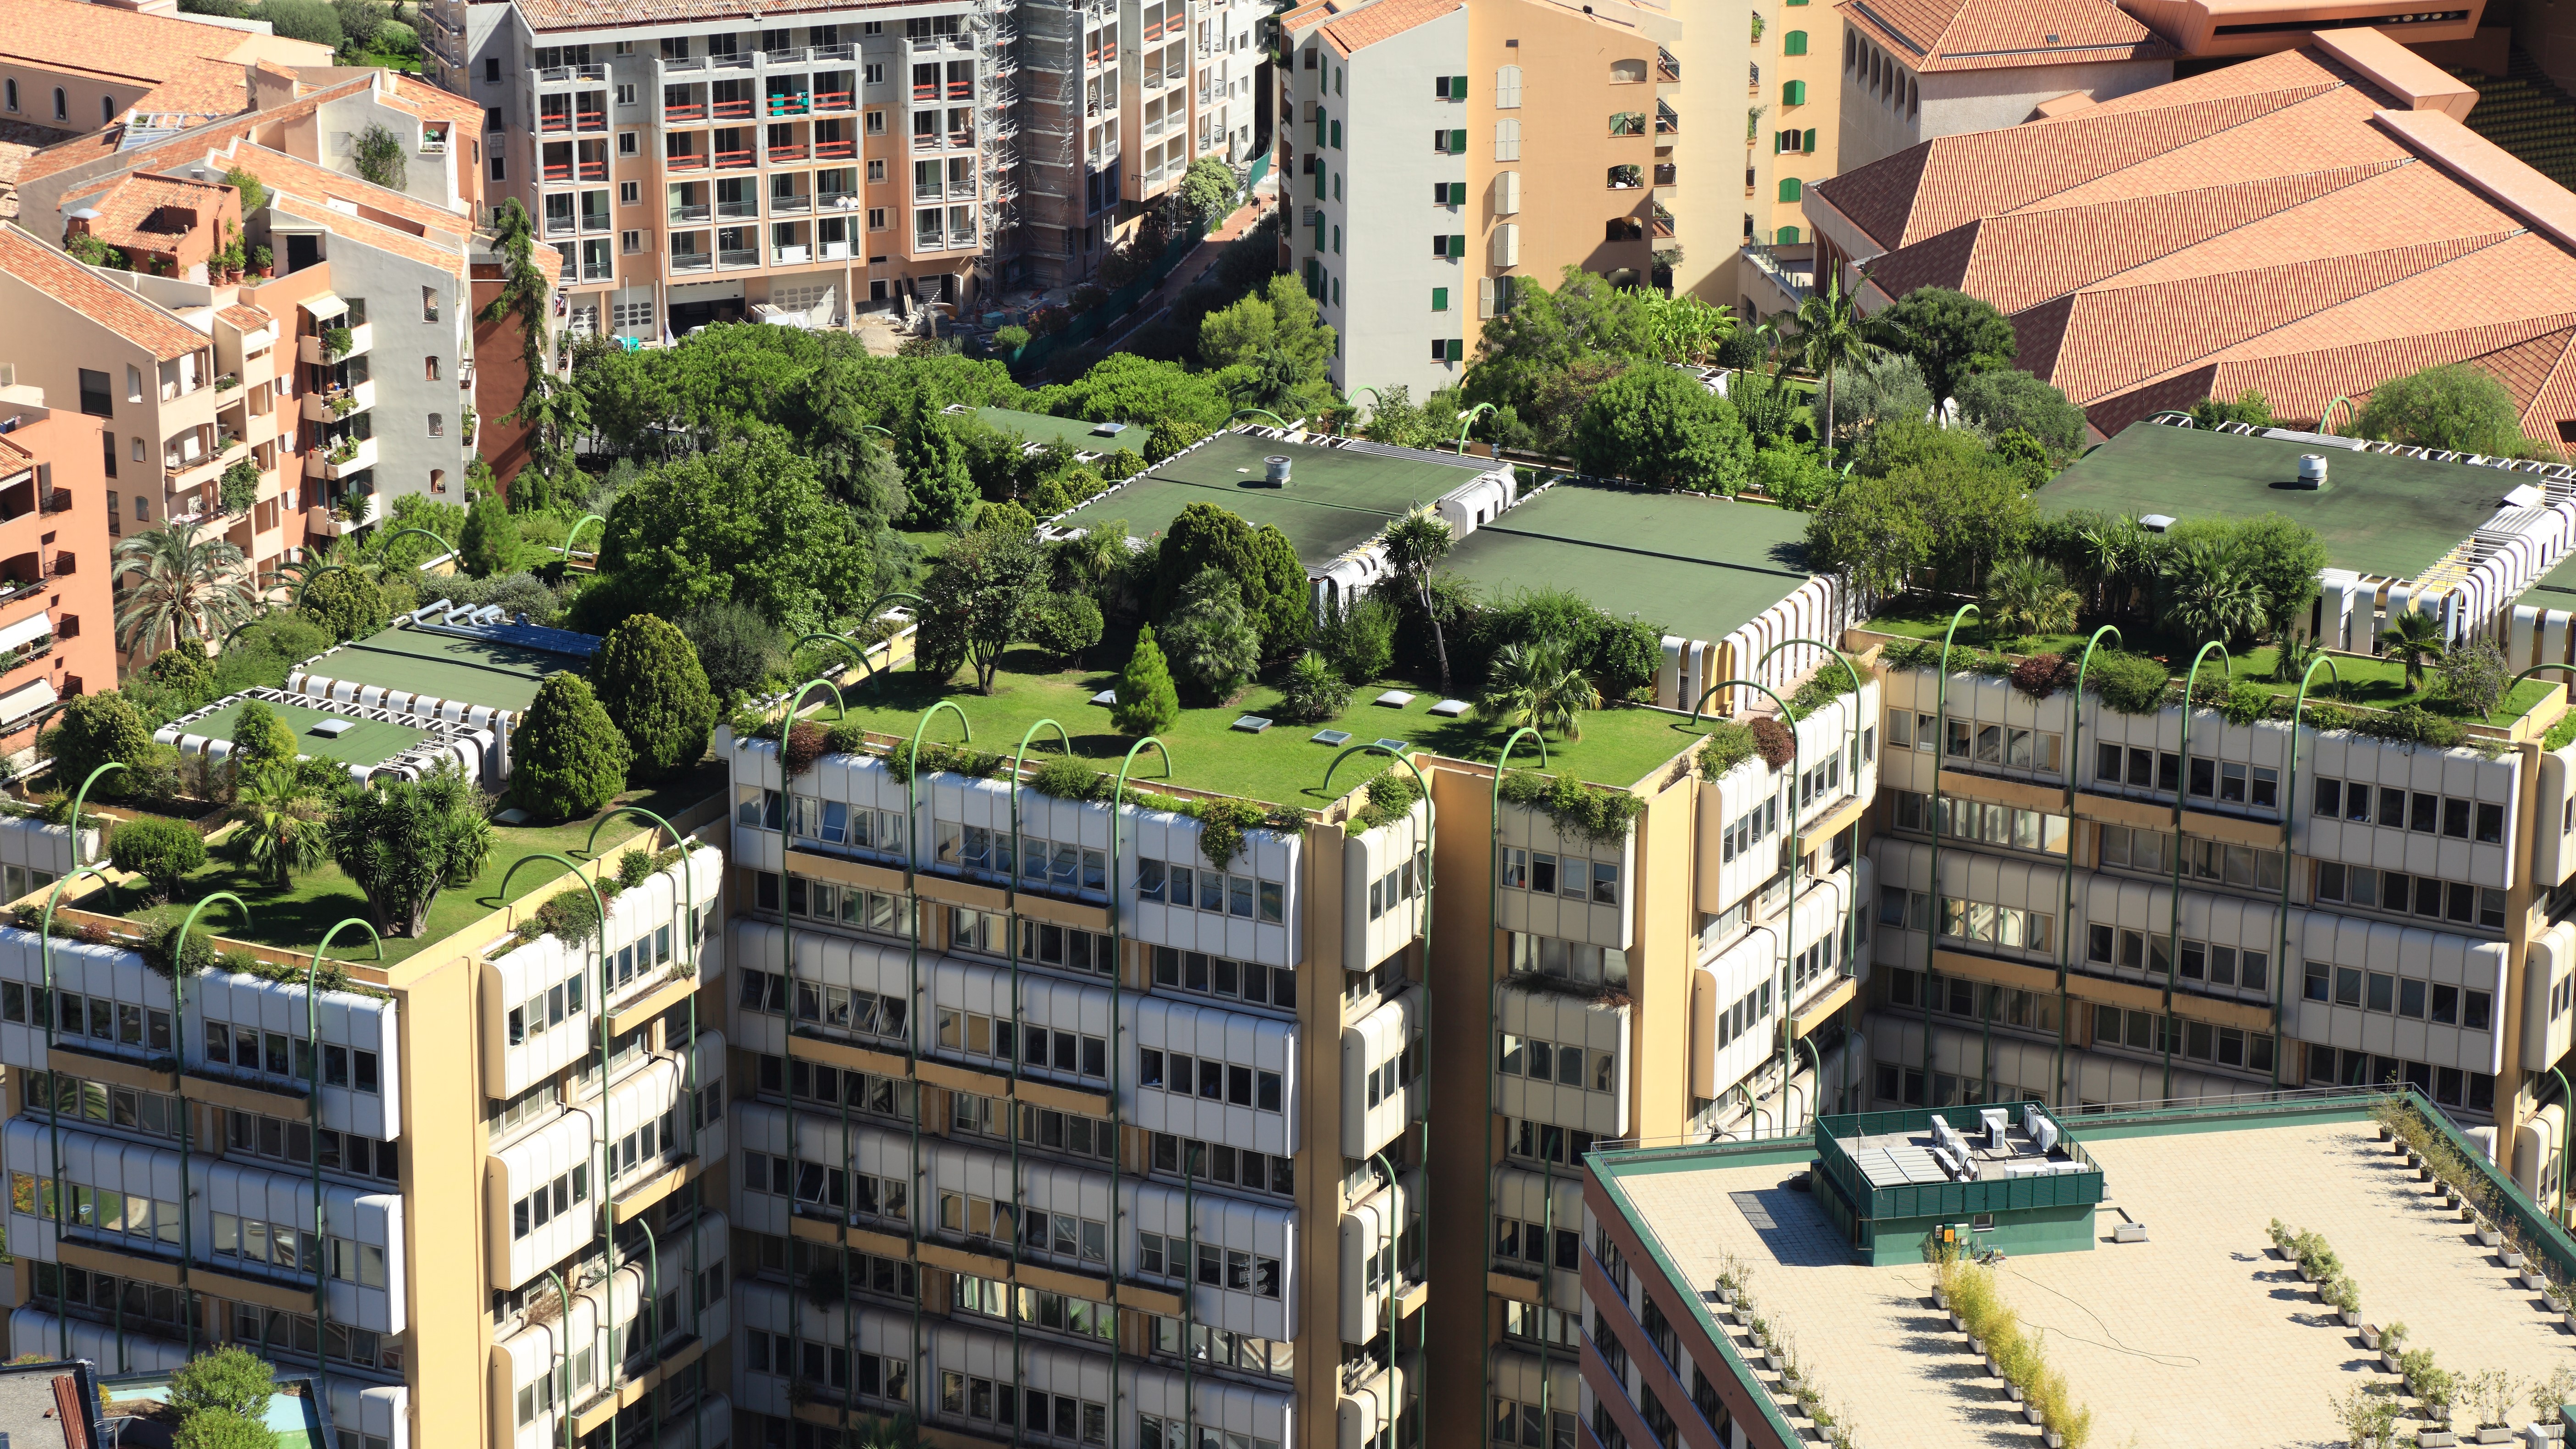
2488 1236
2013 1392
2423 1172
2495 1436
2569 1318
1958 1324
1992 1372
2030 1413
2511 1258
1976 1348
2533 1280
2388 1360
2436 1438
2351 1319
2370 1335
1772 1358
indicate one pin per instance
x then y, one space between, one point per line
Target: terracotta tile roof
1948 35
106 41
245 317
187 146
206 88
1384 20
2275 225
295 176
429 102
85 292
130 212
441 250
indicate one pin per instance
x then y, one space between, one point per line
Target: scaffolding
1049 145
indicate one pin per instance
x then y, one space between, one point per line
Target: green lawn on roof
1282 765
296 918
365 743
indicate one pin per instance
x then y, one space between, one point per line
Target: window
1507 139
438 425
99 403
63 104
1794 43
630 193
1794 93
13 95
627 145
625 91
491 70
630 241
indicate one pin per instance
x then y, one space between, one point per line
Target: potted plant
2347 1300
2546 1397
2285 1241
2511 1251
2493 1392
2392 1346
2487 1233
2535 1276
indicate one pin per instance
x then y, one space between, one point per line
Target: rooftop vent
2525 496
2312 472
1107 430
1275 469
2155 522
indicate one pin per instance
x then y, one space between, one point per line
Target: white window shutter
1507 244
1507 88
1507 139
1484 296
1507 193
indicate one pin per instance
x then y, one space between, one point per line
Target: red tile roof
102 301
1384 20
104 40
187 146
1946 35
130 213
245 317
2278 224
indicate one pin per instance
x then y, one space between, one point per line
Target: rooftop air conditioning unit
2312 472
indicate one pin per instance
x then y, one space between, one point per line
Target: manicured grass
297 917
1281 765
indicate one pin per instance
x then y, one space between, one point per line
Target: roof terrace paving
2200 1335
1337 498
1698 566
2381 514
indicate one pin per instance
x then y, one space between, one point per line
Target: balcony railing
790 205
1666 68
1662 225
698 212
834 101
737 208
732 110
692 262
686 114
685 161
738 258
778 154
433 143
790 256
795 105
733 160
835 150
1668 122
565 74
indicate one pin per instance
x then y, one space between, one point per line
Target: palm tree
2297 652
2416 639
1532 685
2026 596
1829 335
2209 594
1414 543
2112 547
179 586
284 826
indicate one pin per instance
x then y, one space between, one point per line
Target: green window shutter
1789 189
1319 126
1457 88
1457 193
1788 236
1337 135
1794 93
1794 43
1810 147
1337 241
1440 299
1457 246
1457 349
1458 143
1319 183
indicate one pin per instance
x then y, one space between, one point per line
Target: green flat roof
1337 498
367 742
2556 588
1701 567
446 666
1074 433
2382 514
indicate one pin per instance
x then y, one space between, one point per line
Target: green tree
1949 334
1659 427
161 851
748 521
2209 593
2458 408
403 841
983 594
90 731
1206 536
254 195
2284 557
2474 676
655 692
1286 613
1065 625
1206 193
555 413
1831 336
1792 477
1147 704
346 603
739 650
1532 685
185 671
2007 399
1276 346
1687 330
1359 638
216 1429
1415 544
1880 389
934 469
1396 419
225 1380
2027 596
1125 388
490 543
2416 640
315 20
178 584
567 758
1214 642
377 153
2250 408
1870 529
1541 359
260 739
361 22
261 655
285 823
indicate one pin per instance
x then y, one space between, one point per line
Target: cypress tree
566 757
1147 703
655 693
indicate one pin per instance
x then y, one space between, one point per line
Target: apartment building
57 632
371 288
1486 148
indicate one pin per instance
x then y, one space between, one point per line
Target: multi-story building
1440 154
370 292
57 629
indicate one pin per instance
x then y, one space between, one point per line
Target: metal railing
1766 260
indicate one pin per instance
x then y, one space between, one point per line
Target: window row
1541 1142
278 1055
1041 865
881 912
95 1017
2148 951
2400 894
2226 781
863 1013
148 1307
282 1246
1972 1000
1387 1078
1217 1162
880 1376
1523 1242
1530 1323
1749 1010
1536 870
1410 879
1984 744
1977 820
154 1114
548 1008
1240 896
551 1200
271 1332
1748 829
817 1184
826 822
1525 1426
1244 1352
2449 1086
976 1217
1248 981
832 1087
2416 810
1062 1234
2406 996
1051 1416
1159 1256
2127 847
1563 1065
999 1039
1039 1126
1212 1081
2200 1041
291 1139
1061 1312
1567 960
644 1146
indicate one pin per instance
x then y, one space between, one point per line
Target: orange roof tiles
139 211
2274 224
1947 35
106 41
1384 20
200 88
296 176
102 301
189 145
245 317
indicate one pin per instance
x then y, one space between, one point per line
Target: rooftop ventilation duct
1276 470
2312 472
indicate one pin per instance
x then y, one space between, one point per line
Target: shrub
2472 677
1313 690
2411 724
161 851
185 671
1147 703
2042 675
93 730
1214 641
1067 778
2130 684
2245 703
567 757
633 869
738 647
491 544
1729 745
1391 796
1359 639
656 694
1601 816
2560 734
1066 625
807 742
346 604
226 1380
1774 739
260 740
570 916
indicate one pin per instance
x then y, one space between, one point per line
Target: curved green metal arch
2066 907
688 890
1788 1024
2289 814
179 1019
313 1108
796 706
1117 1046
1493 1040
599 1015
81 797
2325 420
2526 674
869 618
851 645
54 1115
1940 710
2182 792
1468 421
1851 749
565 550
387 543
1264 412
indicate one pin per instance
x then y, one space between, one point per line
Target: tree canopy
403 841
655 692
1949 334
2458 407
1273 348
1659 427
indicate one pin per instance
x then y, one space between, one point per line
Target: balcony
342 459
790 205
730 108
788 154
683 113
740 160
692 262
731 258
796 256
838 99
1667 174
788 103
1668 122
685 161
309 349
1662 224
332 404
433 143
564 75
681 215
1666 68
737 208
842 150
